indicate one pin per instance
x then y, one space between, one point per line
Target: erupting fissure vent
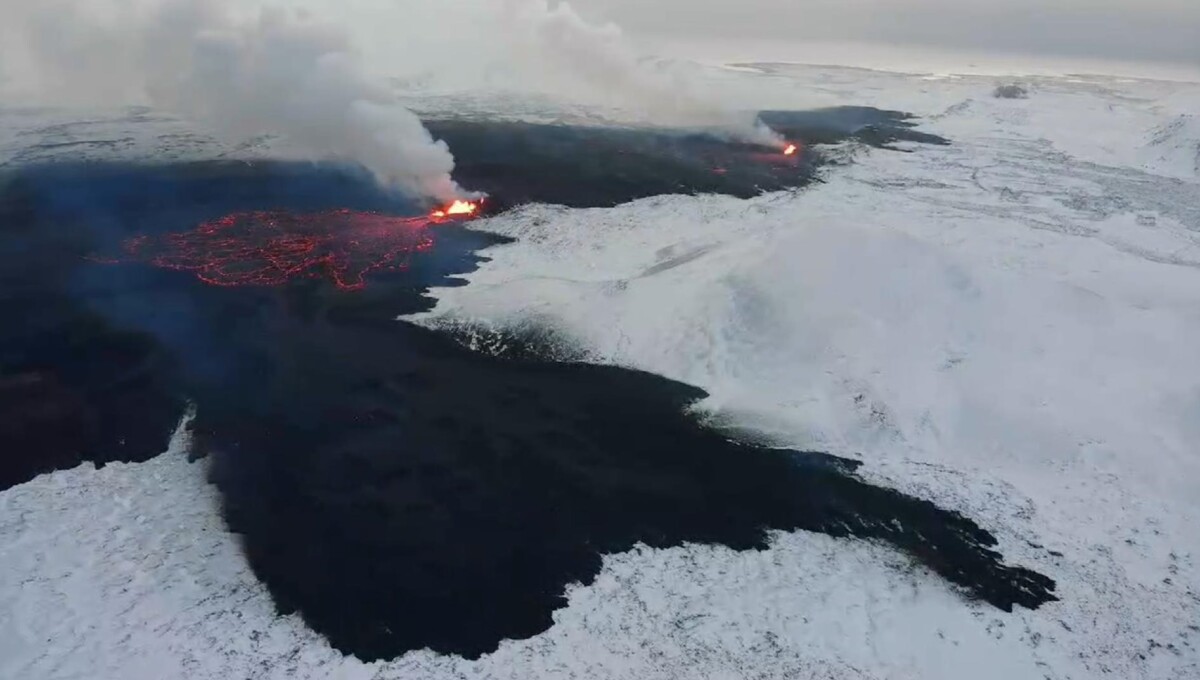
456 209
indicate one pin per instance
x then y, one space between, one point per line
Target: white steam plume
537 47
601 56
262 72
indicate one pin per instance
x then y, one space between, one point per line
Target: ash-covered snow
1005 326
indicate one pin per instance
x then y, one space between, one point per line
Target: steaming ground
1001 325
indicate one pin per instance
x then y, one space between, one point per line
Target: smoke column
603 58
540 48
257 72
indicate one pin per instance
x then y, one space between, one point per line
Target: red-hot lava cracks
269 248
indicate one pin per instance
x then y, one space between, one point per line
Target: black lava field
396 489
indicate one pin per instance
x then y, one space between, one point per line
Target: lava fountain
457 209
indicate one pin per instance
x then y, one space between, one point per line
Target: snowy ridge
1176 145
30 136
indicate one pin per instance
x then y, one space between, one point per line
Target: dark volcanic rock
421 495
72 389
35 407
1010 91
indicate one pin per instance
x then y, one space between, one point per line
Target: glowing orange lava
464 208
790 150
271 248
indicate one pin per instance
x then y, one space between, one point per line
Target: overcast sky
1124 30
445 37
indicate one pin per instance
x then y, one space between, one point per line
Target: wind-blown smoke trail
602 57
245 74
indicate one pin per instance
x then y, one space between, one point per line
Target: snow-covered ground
1005 325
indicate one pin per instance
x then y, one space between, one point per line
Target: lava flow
270 248
790 150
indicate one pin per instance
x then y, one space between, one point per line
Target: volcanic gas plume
571 52
265 74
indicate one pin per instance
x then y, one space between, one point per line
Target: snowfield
1006 326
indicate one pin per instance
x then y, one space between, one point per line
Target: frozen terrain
1004 325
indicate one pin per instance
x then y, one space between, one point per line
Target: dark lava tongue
404 492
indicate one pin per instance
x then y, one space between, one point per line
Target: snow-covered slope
1174 147
1002 325
1005 325
39 135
